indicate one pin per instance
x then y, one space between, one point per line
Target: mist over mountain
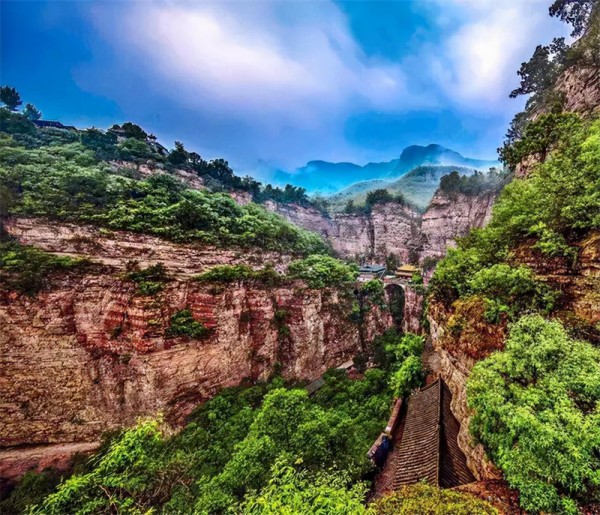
329 178
417 186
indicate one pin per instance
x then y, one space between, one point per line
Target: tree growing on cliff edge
543 68
10 98
537 412
576 13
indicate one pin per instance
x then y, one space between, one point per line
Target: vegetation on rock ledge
537 411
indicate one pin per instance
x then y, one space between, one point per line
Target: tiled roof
428 448
374 269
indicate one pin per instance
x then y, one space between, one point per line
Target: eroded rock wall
89 354
451 216
116 248
580 88
395 229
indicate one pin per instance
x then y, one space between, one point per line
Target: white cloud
250 62
277 80
476 62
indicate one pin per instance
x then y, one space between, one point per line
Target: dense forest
270 447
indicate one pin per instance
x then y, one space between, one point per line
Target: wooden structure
406 271
428 446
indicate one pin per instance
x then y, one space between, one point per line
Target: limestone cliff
391 228
116 248
89 353
580 88
451 216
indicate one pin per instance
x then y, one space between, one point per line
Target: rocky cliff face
580 87
451 216
116 248
89 353
306 217
394 229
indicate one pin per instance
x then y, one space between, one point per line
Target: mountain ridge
319 176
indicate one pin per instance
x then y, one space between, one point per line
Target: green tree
179 155
543 68
130 477
576 13
537 412
10 98
31 112
133 130
320 271
290 492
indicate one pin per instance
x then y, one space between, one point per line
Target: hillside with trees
510 321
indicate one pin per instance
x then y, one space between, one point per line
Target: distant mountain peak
327 177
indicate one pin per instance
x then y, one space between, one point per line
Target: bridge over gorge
423 432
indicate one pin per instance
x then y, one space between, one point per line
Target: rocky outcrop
308 218
413 309
394 229
451 216
580 88
116 248
390 228
90 354
397 231
454 369
143 171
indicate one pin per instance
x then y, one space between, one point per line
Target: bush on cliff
26 269
557 204
319 271
537 412
238 273
183 324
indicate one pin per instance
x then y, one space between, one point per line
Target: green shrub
236 273
319 271
30 490
127 478
536 412
66 182
430 500
298 493
26 269
556 204
149 280
183 324
409 375
512 290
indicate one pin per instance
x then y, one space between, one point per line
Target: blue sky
276 84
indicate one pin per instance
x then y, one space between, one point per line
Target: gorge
175 338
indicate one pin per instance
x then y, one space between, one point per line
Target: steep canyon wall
89 353
395 229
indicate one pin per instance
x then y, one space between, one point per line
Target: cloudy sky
269 84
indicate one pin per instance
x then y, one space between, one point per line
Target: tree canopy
10 98
537 411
